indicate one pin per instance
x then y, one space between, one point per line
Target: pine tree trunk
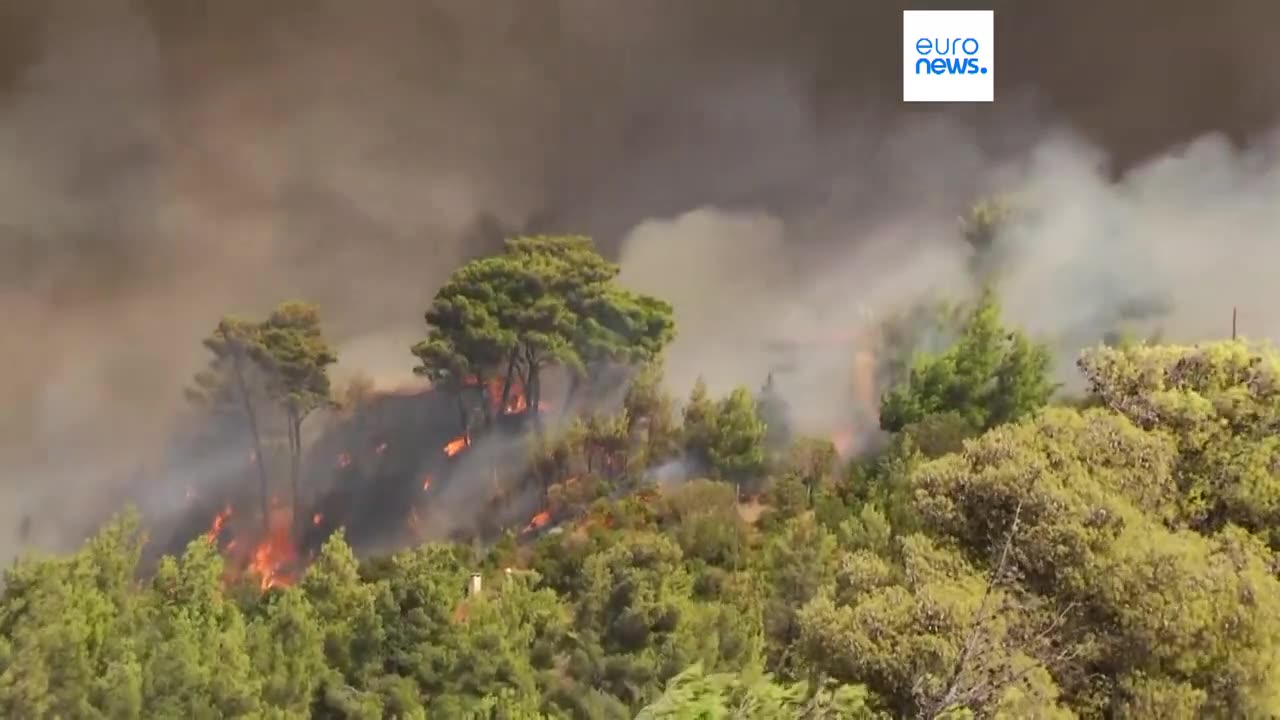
533 395
463 416
295 467
506 386
251 415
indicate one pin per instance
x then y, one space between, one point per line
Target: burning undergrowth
390 471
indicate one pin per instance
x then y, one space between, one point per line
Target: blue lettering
949 66
947 46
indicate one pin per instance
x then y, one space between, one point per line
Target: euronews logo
948 56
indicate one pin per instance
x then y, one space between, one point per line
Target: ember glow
517 401
344 459
426 482
317 519
538 521
456 445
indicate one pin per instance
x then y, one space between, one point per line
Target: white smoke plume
1190 234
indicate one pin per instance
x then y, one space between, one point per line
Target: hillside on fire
539 526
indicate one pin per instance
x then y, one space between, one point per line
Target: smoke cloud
165 163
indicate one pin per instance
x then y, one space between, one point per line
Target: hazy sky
163 162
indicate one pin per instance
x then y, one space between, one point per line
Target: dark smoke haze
163 162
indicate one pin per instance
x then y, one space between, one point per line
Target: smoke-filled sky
163 162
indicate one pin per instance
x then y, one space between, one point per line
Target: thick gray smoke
164 162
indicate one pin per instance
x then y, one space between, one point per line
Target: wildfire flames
269 550
219 522
517 403
538 521
456 445
272 559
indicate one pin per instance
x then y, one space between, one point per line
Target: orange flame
516 402
272 557
456 445
538 521
426 482
219 522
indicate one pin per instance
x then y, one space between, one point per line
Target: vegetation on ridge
1003 555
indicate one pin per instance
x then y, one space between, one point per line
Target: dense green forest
1010 550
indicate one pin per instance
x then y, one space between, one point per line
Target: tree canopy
546 302
280 363
989 376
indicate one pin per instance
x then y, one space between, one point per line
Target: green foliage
988 377
1221 404
650 414
695 695
725 437
297 357
775 413
545 302
1092 497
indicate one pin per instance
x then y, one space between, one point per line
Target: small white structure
473 588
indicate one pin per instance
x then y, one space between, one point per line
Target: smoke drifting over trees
165 163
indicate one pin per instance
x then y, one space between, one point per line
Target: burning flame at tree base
273 558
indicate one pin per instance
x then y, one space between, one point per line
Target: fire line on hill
274 553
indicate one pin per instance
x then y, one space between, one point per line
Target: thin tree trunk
464 419
506 385
486 407
533 393
575 380
251 414
295 466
